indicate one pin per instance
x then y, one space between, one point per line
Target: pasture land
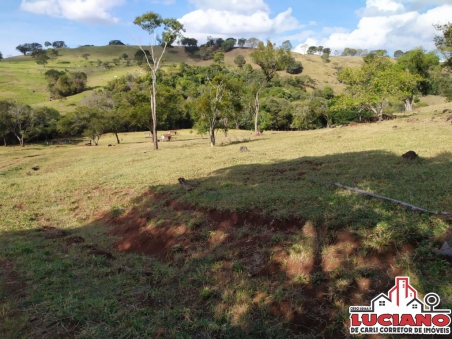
21 79
103 242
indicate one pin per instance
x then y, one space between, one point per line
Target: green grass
23 80
209 286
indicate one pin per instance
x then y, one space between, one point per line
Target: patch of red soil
157 242
236 219
262 258
335 254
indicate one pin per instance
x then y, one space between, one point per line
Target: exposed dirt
263 247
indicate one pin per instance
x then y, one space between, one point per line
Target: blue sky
365 24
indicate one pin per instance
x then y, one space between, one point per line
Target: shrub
294 67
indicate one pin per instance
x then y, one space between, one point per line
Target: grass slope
206 277
22 80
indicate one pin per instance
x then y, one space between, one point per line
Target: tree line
217 98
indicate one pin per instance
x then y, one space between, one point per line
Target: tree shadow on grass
254 251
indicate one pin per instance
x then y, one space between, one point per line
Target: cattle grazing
165 137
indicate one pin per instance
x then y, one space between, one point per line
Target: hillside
23 80
97 241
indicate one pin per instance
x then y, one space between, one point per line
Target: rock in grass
445 250
410 155
243 149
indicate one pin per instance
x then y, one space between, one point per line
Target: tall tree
252 43
444 42
20 121
1 56
24 49
420 63
172 29
271 60
210 104
241 42
287 45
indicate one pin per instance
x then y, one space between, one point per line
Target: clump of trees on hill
35 47
62 84
116 43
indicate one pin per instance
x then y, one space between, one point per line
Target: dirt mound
411 155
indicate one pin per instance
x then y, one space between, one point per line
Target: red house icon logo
402 292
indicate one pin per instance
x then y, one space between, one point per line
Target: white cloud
236 18
92 11
380 8
388 25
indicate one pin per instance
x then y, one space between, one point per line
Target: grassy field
21 79
103 242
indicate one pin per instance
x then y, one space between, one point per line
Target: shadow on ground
253 251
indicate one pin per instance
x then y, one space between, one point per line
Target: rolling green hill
23 80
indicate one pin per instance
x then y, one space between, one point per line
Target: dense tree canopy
59 44
29 47
374 84
63 84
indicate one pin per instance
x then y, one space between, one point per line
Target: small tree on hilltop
287 45
86 56
228 44
241 42
398 54
172 29
252 43
59 44
312 50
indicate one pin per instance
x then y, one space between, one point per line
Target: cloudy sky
365 24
